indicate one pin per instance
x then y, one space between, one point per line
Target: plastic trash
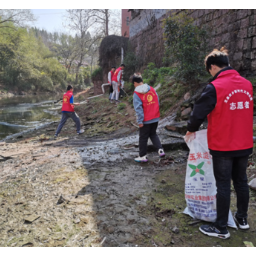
200 187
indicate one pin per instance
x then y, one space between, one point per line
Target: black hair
113 67
218 58
137 78
122 65
69 87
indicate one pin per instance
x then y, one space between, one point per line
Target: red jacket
66 106
230 124
114 78
150 104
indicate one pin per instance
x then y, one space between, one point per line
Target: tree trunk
106 14
77 72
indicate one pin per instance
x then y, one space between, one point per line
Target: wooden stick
135 125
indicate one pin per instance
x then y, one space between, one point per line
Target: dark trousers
148 131
225 169
65 117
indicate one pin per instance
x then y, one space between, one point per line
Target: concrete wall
235 29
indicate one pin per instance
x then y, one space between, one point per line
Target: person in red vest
116 83
110 76
227 101
68 111
146 105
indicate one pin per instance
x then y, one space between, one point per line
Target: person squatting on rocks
228 102
68 111
146 105
116 83
110 75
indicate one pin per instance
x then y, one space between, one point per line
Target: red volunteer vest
66 106
112 73
150 104
114 78
230 124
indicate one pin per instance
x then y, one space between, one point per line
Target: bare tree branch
19 17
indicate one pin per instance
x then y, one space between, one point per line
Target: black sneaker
213 231
242 222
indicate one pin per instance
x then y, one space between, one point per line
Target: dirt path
89 192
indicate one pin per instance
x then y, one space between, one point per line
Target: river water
22 113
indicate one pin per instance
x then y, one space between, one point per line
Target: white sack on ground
200 187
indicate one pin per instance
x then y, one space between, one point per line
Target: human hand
140 125
189 136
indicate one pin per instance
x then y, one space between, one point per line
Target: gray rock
187 96
31 218
175 230
77 220
252 184
180 127
185 113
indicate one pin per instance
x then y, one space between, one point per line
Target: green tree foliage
26 63
132 63
185 47
153 75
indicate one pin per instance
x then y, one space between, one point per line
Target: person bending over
146 105
227 102
68 111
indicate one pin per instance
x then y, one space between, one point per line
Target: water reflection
25 112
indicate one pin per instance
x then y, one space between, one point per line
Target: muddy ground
87 190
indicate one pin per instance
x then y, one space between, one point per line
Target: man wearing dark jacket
227 101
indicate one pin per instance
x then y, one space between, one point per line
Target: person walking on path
146 105
227 101
110 75
68 111
116 82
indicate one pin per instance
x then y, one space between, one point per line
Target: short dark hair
137 78
113 67
122 65
69 87
218 58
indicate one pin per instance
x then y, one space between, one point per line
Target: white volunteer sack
200 187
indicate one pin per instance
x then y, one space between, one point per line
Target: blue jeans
65 117
225 169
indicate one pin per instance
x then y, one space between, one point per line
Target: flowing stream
21 113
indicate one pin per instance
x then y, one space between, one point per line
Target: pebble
175 230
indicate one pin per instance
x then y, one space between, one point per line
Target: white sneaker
81 131
161 152
142 159
242 222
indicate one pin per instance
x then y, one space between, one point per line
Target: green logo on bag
196 169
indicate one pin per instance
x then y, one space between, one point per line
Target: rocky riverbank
87 190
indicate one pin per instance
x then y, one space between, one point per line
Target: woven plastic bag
200 186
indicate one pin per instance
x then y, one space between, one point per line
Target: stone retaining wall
235 29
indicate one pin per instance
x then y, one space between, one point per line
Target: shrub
153 75
121 106
132 63
97 74
185 47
